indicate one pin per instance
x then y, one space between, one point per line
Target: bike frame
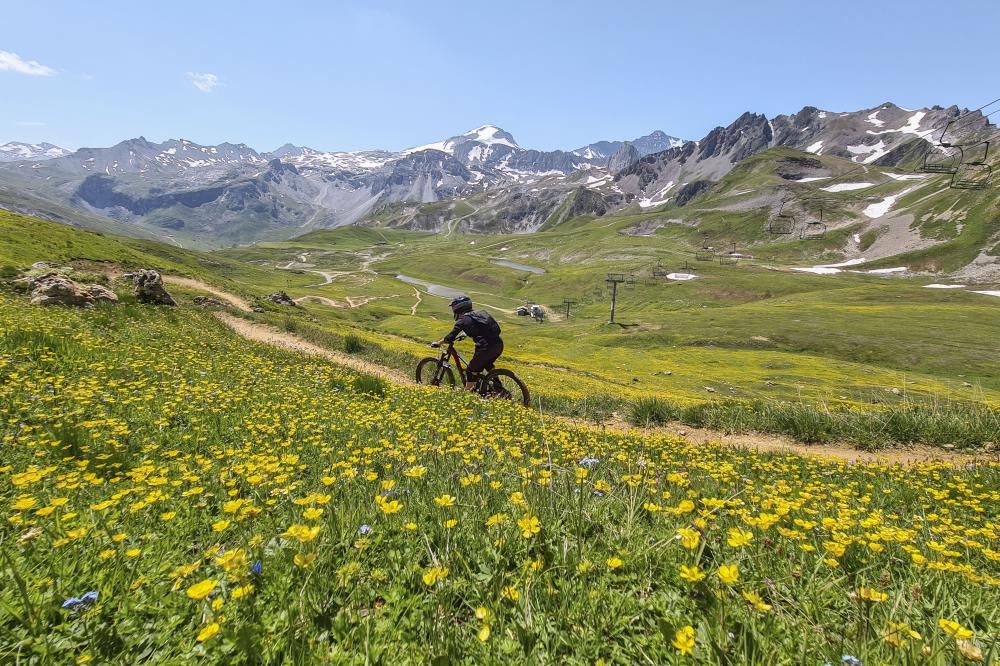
458 361
451 358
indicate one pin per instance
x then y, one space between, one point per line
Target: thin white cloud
203 81
30 123
11 62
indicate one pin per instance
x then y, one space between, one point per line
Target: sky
380 74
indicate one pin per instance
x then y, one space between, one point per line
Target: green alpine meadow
294 369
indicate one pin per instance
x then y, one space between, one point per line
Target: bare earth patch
198 285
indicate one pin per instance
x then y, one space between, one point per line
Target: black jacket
478 325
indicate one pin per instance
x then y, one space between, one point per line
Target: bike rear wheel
431 372
505 385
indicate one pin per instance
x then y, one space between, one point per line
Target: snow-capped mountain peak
487 135
491 135
15 151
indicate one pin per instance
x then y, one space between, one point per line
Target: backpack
486 325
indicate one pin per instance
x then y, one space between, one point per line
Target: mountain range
481 180
15 151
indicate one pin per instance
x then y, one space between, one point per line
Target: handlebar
461 336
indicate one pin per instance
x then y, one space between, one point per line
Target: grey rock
281 298
55 289
149 289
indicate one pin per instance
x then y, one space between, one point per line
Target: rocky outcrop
587 202
691 190
55 289
281 298
149 289
623 158
796 168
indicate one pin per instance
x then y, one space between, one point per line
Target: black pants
484 357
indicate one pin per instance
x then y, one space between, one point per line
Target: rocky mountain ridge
230 193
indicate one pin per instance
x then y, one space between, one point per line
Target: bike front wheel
431 372
505 385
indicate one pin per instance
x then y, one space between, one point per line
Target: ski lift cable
963 118
969 113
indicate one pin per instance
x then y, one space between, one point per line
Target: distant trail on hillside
269 335
413 308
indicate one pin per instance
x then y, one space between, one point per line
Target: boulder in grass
149 289
55 289
281 298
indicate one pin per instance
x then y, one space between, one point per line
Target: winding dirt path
198 285
413 308
272 336
321 299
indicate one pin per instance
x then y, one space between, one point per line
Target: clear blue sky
357 75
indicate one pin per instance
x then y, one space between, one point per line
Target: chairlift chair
705 253
946 162
814 229
728 260
972 154
972 177
783 223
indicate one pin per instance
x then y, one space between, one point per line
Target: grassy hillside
167 488
857 357
25 240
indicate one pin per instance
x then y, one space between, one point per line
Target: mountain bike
498 383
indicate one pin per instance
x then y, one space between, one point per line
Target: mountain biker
484 331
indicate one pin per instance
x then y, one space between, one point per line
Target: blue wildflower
850 660
589 462
72 603
89 597
257 568
365 530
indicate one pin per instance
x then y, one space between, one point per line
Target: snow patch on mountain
880 208
846 187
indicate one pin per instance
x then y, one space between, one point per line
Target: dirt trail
189 283
780 444
754 442
272 336
413 308
321 299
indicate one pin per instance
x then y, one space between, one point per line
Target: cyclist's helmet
461 305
